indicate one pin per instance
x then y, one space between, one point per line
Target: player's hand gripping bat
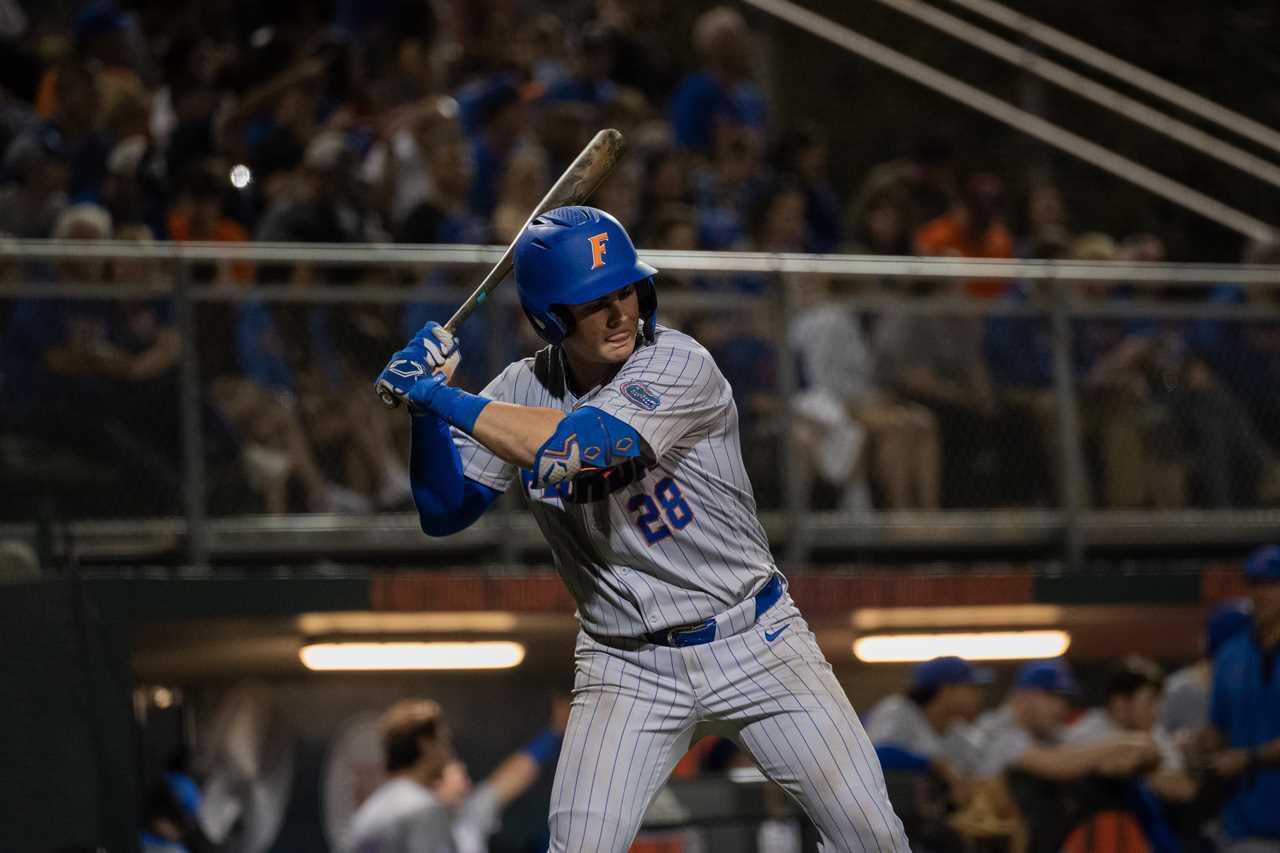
576 185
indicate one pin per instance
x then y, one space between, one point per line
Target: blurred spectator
444 215
1046 221
428 804
495 118
925 179
1245 354
879 223
37 164
198 216
136 187
973 229
75 118
1245 715
1206 449
317 353
591 60
324 207
1026 733
841 411
721 98
620 194
945 692
1132 435
115 359
724 189
397 168
990 452
523 186
1132 704
162 822
801 155
664 182
1186 696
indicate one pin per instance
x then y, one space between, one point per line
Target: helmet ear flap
563 318
553 326
647 297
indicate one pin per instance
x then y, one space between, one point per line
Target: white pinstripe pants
634 711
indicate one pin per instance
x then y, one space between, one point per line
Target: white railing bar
1078 84
1060 138
890 266
1126 71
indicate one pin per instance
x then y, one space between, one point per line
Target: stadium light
393 656
980 645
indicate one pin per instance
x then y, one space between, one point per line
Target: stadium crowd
443 122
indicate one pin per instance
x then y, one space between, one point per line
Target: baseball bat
584 175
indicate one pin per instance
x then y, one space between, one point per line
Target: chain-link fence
219 397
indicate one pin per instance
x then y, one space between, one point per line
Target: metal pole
1071 482
794 497
192 423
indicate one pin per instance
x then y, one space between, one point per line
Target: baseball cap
947 670
1227 620
1052 676
1263 565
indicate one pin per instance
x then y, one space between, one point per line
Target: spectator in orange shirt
198 217
973 229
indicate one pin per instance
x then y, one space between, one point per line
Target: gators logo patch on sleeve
642 396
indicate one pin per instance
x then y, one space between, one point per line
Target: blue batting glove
441 348
404 369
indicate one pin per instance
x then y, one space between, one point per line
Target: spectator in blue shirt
722 95
494 116
1245 715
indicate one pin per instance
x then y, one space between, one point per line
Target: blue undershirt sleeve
447 501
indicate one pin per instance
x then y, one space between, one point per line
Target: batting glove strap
453 405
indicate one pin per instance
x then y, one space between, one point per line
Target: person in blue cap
1186 693
1027 733
945 692
1244 716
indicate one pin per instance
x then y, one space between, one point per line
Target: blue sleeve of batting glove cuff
446 499
452 404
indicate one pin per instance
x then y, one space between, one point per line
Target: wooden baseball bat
584 175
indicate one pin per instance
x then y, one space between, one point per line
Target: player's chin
618 348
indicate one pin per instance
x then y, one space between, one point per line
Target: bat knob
388 399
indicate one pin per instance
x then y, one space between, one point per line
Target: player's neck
583 376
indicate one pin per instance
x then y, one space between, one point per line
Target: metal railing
1063 530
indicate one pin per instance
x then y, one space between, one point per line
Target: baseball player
624 438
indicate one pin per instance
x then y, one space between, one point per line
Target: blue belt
705 632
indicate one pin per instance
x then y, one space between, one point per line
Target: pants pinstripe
635 709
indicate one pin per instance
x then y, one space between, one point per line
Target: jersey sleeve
478 462
666 394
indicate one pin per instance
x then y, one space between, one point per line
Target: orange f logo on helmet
598 248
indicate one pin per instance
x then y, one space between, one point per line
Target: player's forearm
447 501
1268 754
513 777
515 433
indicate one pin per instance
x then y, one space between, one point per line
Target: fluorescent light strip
984 645
399 656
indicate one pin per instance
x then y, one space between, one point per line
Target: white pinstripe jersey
666 540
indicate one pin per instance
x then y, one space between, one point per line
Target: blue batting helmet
571 255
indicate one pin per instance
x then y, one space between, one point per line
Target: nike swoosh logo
769 638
